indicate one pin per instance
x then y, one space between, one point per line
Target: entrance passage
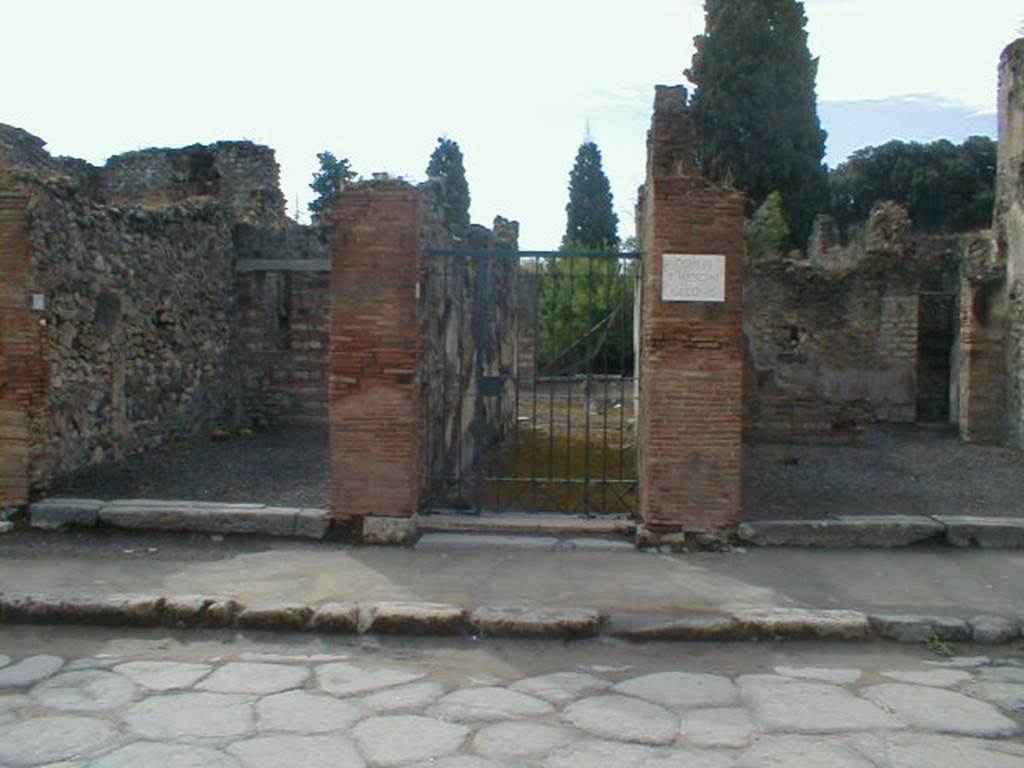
530 389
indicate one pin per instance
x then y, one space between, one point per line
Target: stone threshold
208 517
886 531
503 621
517 523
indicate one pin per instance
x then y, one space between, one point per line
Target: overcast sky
515 83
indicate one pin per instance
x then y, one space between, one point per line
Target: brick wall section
375 357
21 374
283 337
691 354
982 383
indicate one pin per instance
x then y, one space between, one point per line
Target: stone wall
144 331
1009 224
853 334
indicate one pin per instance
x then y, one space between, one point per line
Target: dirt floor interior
897 470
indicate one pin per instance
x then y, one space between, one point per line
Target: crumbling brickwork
691 353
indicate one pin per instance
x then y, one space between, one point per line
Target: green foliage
767 233
333 175
944 187
591 223
586 314
446 163
756 107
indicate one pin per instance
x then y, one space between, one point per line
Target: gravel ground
909 470
898 470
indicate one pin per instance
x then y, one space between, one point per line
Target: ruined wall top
672 140
241 175
1009 214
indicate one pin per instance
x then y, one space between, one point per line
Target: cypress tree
328 182
756 107
446 163
591 222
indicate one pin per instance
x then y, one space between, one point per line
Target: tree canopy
446 163
944 187
756 108
332 176
591 223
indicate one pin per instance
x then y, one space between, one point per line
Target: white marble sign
691 277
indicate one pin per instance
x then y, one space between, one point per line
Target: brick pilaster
374 394
690 422
19 351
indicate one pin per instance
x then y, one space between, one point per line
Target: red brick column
18 353
690 425
374 396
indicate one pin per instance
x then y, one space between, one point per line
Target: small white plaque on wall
692 277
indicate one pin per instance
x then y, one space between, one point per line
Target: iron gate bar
586 324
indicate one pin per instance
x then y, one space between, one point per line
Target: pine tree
446 163
333 175
756 107
592 224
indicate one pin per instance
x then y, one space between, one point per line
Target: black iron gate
530 381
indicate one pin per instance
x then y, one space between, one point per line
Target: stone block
984 532
107 610
286 617
991 630
565 623
394 531
641 627
55 514
340 618
312 523
185 611
909 628
887 532
198 516
393 618
804 624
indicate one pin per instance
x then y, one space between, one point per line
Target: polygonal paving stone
802 752
1008 696
920 750
682 690
686 758
191 715
404 698
941 711
343 679
302 712
298 751
521 740
1002 674
44 740
4 660
624 719
488 703
602 754
793 707
87 691
560 687
398 739
463 761
257 679
939 678
13 701
29 671
962 662
833 676
163 675
145 753
720 727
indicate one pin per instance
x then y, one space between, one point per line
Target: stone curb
886 532
443 620
151 514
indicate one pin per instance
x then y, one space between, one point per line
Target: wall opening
936 334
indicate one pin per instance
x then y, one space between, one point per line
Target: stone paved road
224 702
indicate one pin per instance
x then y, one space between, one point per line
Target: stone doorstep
886 531
526 524
154 514
522 622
